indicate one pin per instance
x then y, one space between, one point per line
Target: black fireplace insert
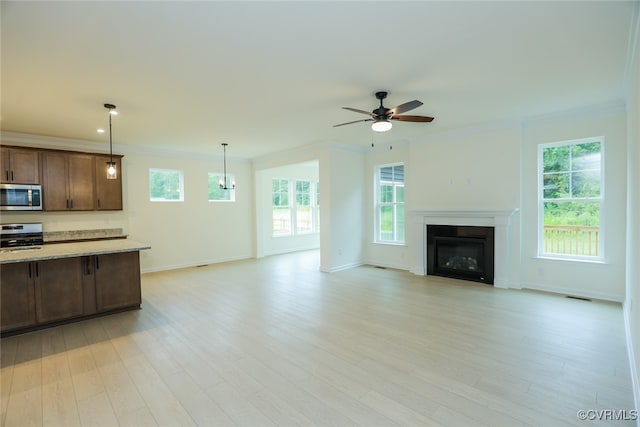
461 252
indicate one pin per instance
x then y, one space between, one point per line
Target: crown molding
57 143
606 109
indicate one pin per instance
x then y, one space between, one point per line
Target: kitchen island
68 281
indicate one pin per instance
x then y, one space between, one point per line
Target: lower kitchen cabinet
58 289
117 280
37 293
17 303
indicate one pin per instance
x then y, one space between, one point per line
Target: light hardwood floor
275 342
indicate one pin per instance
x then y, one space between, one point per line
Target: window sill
567 259
390 244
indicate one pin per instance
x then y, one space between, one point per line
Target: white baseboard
341 267
193 264
635 378
573 292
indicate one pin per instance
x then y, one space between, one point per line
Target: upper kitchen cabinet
19 166
108 191
68 181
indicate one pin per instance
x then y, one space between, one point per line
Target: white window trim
181 189
376 207
601 232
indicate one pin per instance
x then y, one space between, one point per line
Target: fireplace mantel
500 220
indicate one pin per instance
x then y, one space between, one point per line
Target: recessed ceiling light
100 130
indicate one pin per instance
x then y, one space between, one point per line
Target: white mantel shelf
500 219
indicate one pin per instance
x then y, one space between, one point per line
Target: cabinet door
81 182
17 303
117 280
24 166
108 191
58 289
5 171
55 194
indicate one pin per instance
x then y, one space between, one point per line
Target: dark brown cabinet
58 289
68 181
19 166
17 303
36 293
117 280
108 191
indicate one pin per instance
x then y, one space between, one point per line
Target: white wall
597 280
188 233
632 296
468 169
270 245
196 231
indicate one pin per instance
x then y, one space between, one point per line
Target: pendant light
223 182
112 172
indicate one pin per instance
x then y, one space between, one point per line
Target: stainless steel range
21 236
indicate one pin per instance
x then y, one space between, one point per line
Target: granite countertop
69 250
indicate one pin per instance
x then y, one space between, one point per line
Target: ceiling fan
382 116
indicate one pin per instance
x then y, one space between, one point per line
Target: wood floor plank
273 341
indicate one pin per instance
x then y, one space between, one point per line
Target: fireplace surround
461 252
505 247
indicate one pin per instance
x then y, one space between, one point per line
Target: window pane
386 223
214 190
571 228
386 194
165 185
400 194
303 193
586 184
585 156
281 221
304 220
400 223
556 159
556 185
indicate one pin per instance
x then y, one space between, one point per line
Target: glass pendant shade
381 125
112 172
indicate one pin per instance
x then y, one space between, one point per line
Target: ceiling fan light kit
381 116
381 125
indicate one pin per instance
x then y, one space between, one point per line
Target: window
281 208
298 214
217 194
304 212
570 198
390 204
166 185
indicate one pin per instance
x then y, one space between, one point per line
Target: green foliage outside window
165 185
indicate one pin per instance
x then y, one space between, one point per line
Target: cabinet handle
11 175
98 202
29 265
37 272
97 262
67 203
86 263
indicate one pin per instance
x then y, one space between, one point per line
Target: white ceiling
267 76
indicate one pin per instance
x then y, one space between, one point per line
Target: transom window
570 198
390 211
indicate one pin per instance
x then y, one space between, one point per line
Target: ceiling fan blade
356 121
368 113
412 118
404 107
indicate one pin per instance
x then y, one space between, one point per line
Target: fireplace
461 252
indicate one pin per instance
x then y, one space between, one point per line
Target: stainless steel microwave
20 197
